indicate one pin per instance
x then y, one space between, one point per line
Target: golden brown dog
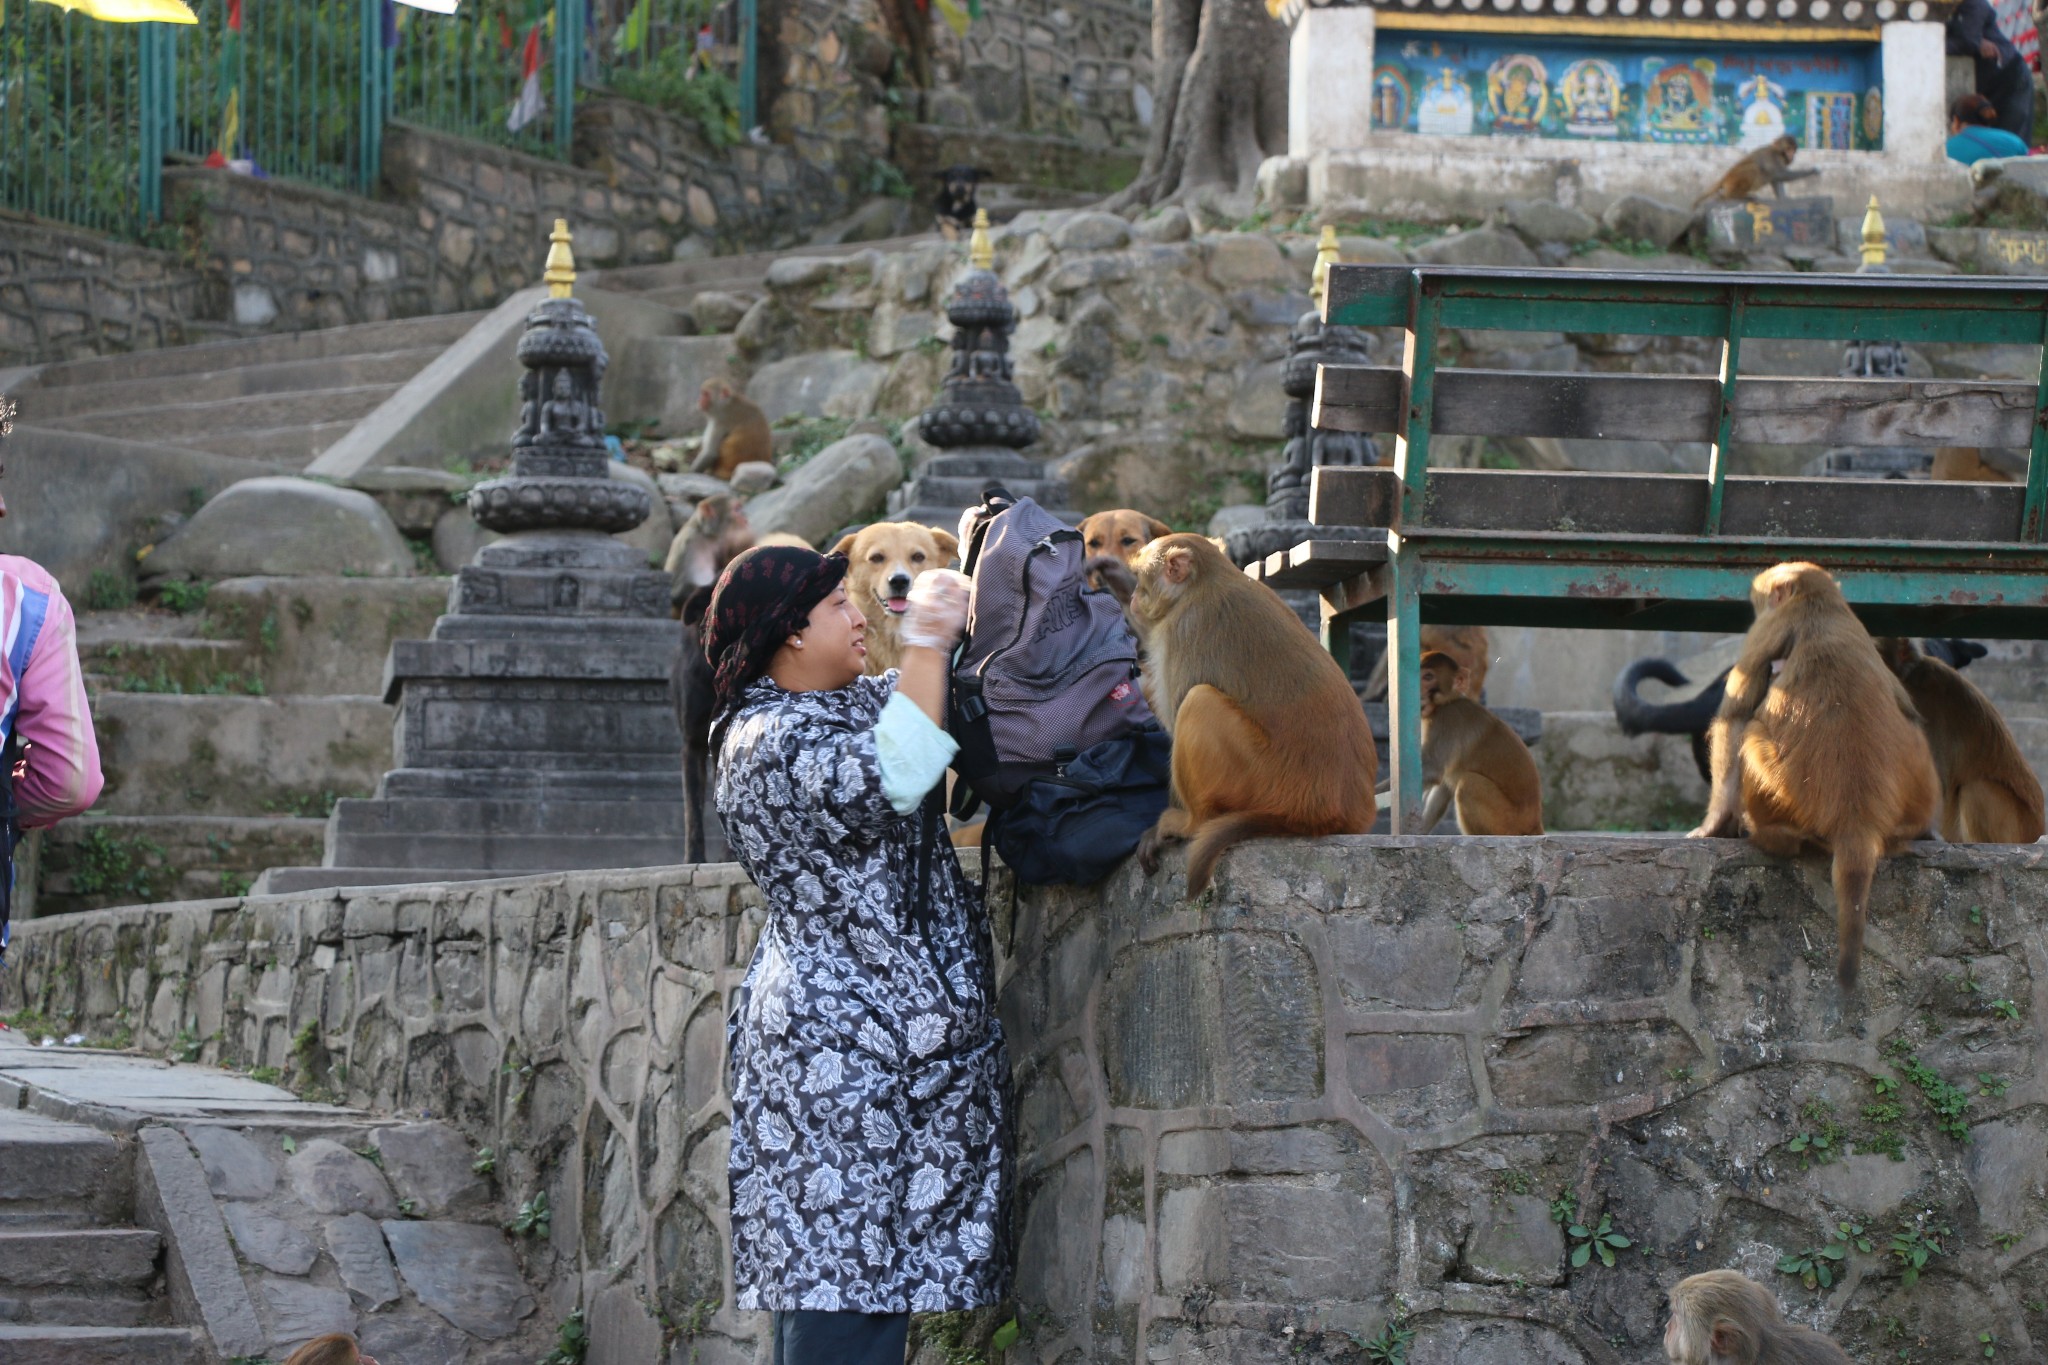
883 561
1121 532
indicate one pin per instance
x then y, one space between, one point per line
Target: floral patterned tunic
867 1065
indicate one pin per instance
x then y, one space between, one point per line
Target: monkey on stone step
1817 744
1472 763
1989 795
1725 1318
1768 165
738 433
1268 737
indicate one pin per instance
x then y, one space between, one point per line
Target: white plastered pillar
1915 66
1329 80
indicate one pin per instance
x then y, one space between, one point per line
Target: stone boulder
414 497
842 483
1169 224
755 476
1639 218
457 538
1091 231
1541 221
1240 260
650 537
287 527
328 1178
1482 246
836 383
718 311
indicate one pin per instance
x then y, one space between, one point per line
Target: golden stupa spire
560 274
981 253
1326 256
1873 236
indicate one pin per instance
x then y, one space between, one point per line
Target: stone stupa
535 731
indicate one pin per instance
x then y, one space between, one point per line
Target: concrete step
675 283
291 376
210 357
225 755
106 860
49 1345
310 636
292 446
77 1258
57 1174
200 423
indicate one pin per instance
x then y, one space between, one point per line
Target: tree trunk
1219 69
910 28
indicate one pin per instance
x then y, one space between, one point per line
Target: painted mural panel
1583 89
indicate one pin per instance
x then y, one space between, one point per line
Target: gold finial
1873 236
1326 256
560 274
981 253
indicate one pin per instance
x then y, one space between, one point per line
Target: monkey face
714 391
1440 678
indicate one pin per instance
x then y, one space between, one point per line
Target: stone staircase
279 399
79 1285
227 734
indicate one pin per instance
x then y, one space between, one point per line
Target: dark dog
690 691
953 210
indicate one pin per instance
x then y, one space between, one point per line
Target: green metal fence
302 89
71 116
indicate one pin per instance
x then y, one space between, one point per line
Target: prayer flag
131 11
955 17
530 105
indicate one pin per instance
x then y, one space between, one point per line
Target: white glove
937 614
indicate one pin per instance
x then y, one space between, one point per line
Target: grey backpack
1048 669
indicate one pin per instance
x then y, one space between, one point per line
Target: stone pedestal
1913 57
1329 80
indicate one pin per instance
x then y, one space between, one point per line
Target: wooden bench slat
1654 407
1319 563
1507 501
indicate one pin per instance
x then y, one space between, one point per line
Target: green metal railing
71 117
90 111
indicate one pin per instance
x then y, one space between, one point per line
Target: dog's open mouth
896 605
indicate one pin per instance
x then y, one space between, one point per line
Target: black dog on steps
953 210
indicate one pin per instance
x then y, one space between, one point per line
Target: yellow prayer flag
230 124
131 11
955 17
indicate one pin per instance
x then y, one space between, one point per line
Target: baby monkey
1723 1318
1768 165
1471 761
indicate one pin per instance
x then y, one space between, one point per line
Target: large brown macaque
1724 1318
1472 763
1817 744
1268 737
1769 165
1989 794
738 432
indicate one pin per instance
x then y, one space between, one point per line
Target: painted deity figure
1591 90
1517 91
1679 103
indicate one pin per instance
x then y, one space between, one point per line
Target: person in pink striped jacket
51 766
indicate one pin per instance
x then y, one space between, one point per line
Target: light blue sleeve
913 753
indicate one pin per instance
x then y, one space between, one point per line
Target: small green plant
1816 1266
2005 1009
1680 1074
371 1155
108 591
1913 1246
109 865
533 1218
2004 1240
289 1143
486 1161
265 1075
1948 1104
408 1208
186 1046
572 1339
1976 914
1390 1346
1994 1086
183 597
1595 1240
1989 1343
1512 1182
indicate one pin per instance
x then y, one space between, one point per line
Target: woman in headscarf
867 1069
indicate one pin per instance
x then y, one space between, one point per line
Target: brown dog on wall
1268 737
883 560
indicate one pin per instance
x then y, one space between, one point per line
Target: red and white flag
530 105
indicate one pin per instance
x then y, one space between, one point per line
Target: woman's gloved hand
937 615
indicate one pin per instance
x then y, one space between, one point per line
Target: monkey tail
1855 866
1217 837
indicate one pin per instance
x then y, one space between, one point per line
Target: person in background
869 1162
336 1348
2002 76
1974 134
49 759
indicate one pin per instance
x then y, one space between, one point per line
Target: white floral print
857 1184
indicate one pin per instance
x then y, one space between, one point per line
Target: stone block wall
65 293
1353 1085
1049 66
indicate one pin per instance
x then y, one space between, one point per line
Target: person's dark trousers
808 1338
2011 92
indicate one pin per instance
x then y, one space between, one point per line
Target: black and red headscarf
764 596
